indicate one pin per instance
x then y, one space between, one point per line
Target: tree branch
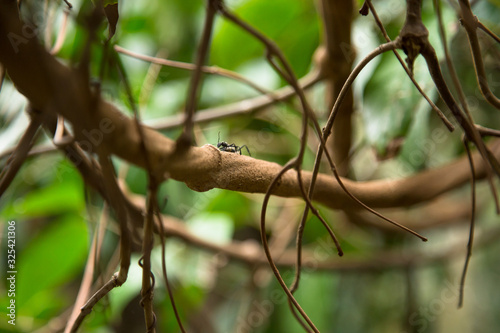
188 66
470 23
338 58
323 257
19 154
245 106
185 140
54 88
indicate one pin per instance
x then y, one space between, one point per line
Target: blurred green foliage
47 199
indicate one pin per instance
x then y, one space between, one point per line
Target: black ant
230 148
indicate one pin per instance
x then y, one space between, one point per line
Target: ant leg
245 146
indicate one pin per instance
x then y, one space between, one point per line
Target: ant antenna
218 138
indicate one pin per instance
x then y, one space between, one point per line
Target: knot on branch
207 180
413 40
414 35
119 278
216 4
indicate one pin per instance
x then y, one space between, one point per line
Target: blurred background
387 281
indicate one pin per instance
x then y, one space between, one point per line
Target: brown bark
54 88
339 57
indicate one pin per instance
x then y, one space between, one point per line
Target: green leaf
50 260
57 198
288 23
418 144
231 203
391 100
218 227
